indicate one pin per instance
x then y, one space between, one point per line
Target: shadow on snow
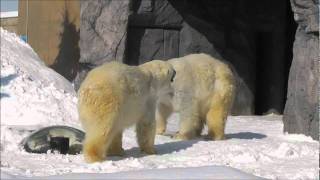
245 135
176 146
5 81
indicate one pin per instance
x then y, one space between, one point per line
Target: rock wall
301 113
103 31
250 35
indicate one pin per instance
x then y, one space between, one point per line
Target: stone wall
301 113
103 32
255 38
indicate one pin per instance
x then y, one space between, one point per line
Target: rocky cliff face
103 31
301 113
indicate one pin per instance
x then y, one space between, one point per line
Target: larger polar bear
115 96
203 92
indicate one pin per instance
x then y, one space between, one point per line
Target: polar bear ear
173 75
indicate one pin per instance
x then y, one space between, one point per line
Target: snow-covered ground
33 96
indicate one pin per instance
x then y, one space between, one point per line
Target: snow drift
34 96
32 93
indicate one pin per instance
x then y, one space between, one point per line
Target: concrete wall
52 29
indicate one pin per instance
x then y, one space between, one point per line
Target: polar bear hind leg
216 118
98 109
96 144
217 115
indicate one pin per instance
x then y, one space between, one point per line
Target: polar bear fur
115 96
203 92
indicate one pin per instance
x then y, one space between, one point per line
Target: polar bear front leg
162 114
146 131
115 148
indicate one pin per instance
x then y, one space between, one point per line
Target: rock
306 14
191 41
103 32
301 113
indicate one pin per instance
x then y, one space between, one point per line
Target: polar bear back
198 75
116 85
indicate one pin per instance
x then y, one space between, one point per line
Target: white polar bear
115 96
203 92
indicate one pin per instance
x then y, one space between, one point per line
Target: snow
34 96
8 14
31 93
205 172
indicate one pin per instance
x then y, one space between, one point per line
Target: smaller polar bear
115 96
203 92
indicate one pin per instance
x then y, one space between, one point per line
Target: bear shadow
176 146
245 135
5 81
165 148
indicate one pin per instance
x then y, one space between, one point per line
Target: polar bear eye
173 75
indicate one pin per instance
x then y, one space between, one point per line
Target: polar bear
115 96
203 92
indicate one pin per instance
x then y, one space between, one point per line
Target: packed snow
34 96
31 93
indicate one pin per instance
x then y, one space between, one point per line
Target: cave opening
263 75
256 38
273 60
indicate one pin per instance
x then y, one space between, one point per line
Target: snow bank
205 172
34 96
31 93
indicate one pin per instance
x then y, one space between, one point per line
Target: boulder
103 30
301 114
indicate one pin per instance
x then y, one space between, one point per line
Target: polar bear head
162 75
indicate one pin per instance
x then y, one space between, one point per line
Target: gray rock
301 113
306 14
191 41
103 31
